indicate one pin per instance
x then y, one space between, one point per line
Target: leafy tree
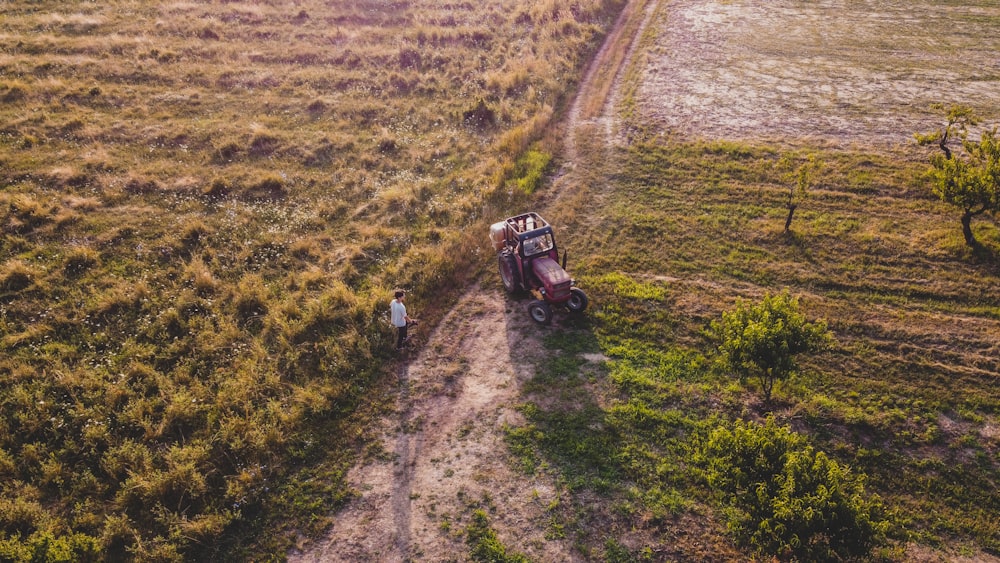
786 499
761 340
971 180
800 181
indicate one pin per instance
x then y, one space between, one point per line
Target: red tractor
527 256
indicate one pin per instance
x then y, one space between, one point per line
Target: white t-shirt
398 313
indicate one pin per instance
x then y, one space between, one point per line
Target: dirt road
443 449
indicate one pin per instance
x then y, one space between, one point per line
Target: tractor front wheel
577 300
540 312
508 271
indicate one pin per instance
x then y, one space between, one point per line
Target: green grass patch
900 400
530 169
484 546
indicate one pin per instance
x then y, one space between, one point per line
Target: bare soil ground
443 449
844 73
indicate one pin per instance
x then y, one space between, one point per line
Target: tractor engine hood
550 273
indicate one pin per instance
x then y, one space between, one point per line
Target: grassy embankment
205 207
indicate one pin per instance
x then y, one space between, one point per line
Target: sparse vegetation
900 399
484 545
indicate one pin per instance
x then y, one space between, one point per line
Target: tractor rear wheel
577 300
508 271
540 312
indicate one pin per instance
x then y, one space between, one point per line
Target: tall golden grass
204 208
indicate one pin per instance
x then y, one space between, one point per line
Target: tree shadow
984 254
799 243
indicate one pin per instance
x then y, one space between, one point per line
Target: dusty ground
846 73
740 69
444 448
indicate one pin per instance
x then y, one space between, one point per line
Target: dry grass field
862 74
204 208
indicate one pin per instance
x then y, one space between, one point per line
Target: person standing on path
400 319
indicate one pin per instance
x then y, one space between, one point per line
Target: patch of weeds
465 429
572 341
558 368
615 552
554 528
484 545
522 442
530 168
578 441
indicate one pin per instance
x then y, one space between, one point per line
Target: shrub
25 213
220 188
79 260
317 107
201 277
269 188
251 302
784 498
14 94
227 153
409 58
263 145
141 186
194 234
480 116
388 146
761 340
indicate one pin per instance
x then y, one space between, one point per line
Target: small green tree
800 179
971 180
760 340
786 499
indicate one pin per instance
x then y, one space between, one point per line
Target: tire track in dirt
600 89
443 453
447 449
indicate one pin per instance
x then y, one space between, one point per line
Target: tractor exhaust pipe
564 259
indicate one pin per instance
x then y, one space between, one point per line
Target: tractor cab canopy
532 233
522 224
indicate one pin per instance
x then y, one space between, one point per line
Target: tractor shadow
560 370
